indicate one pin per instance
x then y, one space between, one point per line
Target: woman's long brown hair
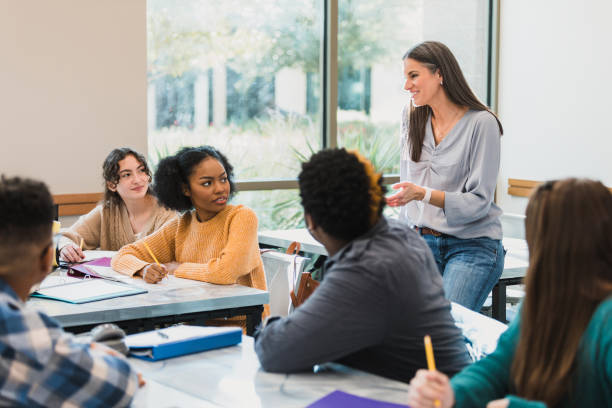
436 56
568 227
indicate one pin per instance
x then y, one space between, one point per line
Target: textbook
86 290
180 340
340 399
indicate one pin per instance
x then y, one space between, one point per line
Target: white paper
54 280
84 289
170 282
174 333
92 254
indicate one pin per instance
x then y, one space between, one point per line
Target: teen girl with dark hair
558 352
211 241
128 210
450 152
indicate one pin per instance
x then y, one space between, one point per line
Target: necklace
441 131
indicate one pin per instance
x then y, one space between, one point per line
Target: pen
162 334
81 246
151 253
431 364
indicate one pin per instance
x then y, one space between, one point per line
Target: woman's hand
171 267
71 253
500 403
408 193
153 273
428 386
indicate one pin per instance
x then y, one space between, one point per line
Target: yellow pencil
151 253
431 363
81 246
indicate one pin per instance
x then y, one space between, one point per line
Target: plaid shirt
42 366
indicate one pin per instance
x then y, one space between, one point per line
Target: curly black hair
110 173
335 192
26 213
173 173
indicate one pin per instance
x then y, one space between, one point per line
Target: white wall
554 92
73 87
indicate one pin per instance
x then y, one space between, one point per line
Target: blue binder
179 340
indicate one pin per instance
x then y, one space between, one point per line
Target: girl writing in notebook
558 352
128 210
211 241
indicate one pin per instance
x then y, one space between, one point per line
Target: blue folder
180 340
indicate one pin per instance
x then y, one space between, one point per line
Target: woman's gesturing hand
408 193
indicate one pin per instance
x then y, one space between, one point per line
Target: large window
247 77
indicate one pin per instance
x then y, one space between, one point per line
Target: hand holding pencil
153 273
430 388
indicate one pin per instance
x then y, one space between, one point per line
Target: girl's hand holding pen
71 253
153 273
427 387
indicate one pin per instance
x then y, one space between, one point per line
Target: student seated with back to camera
381 291
40 364
558 351
211 241
128 211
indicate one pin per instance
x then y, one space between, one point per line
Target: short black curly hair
26 214
110 173
335 192
173 173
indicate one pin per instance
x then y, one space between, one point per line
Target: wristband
427 195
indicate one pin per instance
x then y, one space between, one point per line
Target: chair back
282 273
513 225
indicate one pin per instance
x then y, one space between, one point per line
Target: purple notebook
81 270
340 399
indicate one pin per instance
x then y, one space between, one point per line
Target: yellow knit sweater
223 250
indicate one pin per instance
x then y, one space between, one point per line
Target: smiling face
423 85
209 188
133 181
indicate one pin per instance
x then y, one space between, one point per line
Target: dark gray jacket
380 295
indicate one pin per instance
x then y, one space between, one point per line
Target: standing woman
211 241
128 210
558 351
450 152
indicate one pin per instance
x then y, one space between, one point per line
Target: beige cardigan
109 228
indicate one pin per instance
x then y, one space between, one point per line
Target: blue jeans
469 267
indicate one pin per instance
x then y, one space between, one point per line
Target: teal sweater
489 378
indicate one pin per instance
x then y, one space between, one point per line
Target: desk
192 301
515 264
231 377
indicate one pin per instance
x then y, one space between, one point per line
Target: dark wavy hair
110 173
26 214
437 57
173 174
341 193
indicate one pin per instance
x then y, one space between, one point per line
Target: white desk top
232 377
173 296
515 264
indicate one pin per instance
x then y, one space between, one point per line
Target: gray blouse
465 166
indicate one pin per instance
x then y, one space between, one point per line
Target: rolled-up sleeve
463 207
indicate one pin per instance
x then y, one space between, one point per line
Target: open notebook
86 290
